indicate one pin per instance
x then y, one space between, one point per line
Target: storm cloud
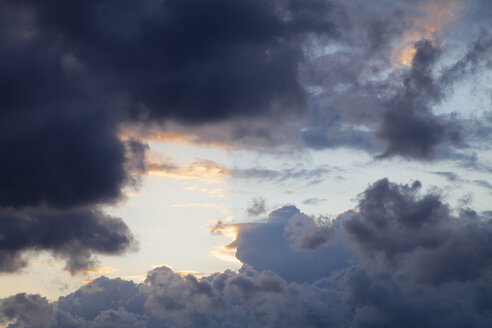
72 74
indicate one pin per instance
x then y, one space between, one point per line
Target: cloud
73 235
162 58
257 206
192 70
290 244
450 176
27 311
409 126
412 263
68 88
311 175
362 100
208 171
313 201
199 169
455 179
397 230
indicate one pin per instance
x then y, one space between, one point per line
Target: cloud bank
404 260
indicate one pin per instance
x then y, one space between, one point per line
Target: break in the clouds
71 74
412 263
257 74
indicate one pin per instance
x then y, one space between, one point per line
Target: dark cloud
257 206
397 229
73 235
188 60
71 74
409 125
56 151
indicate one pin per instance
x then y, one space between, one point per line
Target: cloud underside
400 259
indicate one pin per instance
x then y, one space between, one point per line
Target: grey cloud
313 201
293 245
257 206
359 104
310 175
412 264
397 229
298 172
455 179
28 311
72 74
409 126
451 176
483 183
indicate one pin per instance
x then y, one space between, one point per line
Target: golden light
436 16
227 252
170 133
199 169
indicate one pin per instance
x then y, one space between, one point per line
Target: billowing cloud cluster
403 260
72 73
378 87
76 76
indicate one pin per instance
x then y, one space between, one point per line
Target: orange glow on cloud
157 133
96 271
184 273
436 16
228 252
199 169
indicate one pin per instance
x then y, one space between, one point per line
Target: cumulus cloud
292 245
73 73
412 263
27 311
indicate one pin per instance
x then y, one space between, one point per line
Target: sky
254 163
